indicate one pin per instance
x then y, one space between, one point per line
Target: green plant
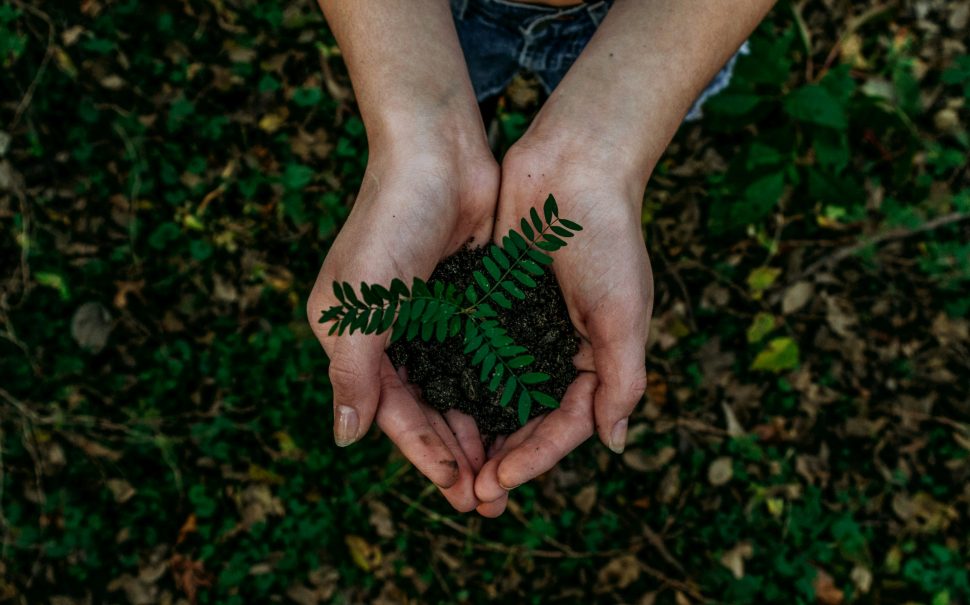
437 310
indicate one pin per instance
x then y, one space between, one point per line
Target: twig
48 53
805 35
672 269
851 27
135 189
893 234
480 543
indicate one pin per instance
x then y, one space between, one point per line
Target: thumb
619 357
355 369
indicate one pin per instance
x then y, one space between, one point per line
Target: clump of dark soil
446 376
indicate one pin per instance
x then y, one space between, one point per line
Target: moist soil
445 374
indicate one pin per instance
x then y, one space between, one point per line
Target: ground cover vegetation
171 175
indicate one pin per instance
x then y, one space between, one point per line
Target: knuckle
344 374
636 386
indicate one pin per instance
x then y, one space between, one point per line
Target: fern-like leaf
438 311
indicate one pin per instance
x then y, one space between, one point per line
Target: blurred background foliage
171 175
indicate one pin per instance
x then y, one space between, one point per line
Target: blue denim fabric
500 38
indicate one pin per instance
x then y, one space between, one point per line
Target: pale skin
432 184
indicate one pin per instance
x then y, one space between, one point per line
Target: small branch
851 27
48 54
893 234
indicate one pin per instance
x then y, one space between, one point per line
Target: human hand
606 280
423 197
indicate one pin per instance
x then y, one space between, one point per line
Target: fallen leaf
121 490
272 122
585 500
720 471
734 427
762 325
380 518
761 279
826 592
840 316
734 559
91 326
670 485
619 572
113 82
190 576
364 554
780 354
796 297
190 526
648 599
862 578
639 460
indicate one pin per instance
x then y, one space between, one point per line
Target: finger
469 438
487 486
493 509
400 417
355 370
496 446
560 432
461 494
355 362
619 356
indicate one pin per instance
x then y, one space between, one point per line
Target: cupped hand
605 276
419 202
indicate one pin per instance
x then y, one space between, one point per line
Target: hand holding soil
607 284
411 212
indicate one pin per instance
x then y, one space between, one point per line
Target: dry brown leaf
380 518
670 485
619 572
585 500
796 297
648 599
121 490
826 592
91 326
734 559
734 427
92 448
190 526
862 578
720 471
639 460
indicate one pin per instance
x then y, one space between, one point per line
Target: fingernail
618 436
345 425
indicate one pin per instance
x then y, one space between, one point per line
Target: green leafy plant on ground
438 311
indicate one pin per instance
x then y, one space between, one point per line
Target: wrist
596 141
448 122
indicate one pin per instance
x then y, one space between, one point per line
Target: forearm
631 87
406 66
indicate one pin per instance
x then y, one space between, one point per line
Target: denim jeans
500 38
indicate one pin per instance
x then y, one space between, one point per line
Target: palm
605 277
408 216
